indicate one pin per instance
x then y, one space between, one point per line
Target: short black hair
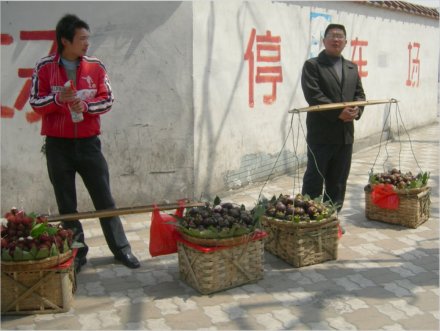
335 26
66 27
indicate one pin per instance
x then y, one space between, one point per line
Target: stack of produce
401 181
298 208
221 220
30 237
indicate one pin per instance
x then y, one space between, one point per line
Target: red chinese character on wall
268 50
23 96
413 65
361 63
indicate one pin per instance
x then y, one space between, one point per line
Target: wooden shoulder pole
339 105
120 211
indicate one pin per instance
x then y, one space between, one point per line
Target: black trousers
327 164
66 157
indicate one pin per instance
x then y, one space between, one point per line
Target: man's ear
64 41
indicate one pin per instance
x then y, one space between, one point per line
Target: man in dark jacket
329 78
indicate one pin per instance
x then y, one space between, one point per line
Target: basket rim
36 265
212 242
313 224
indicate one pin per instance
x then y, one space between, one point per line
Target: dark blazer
321 85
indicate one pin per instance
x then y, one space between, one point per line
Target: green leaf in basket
224 233
51 230
258 212
32 215
421 180
5 255
18 254
54 250
372 178
187 230
27 256
217 201
66 247
425 177
38 230
209 233
239 231
274 198
413 184
34 251
77 244
297 218
320 217
42 253
196 232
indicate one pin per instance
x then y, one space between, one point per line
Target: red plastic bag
384 196
339 231
163 233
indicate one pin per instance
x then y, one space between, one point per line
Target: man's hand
348 114
77 106
67 95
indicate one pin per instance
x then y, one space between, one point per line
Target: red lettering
6 39
268 51
249 56
23 96
7 112
361 63
25 73
413 79
269 75
41 35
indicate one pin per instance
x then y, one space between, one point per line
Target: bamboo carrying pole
121 211
339 105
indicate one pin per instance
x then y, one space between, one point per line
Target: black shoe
79 262
128 259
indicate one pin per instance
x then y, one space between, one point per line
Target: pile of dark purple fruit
221 220
400 180
30 237
298 208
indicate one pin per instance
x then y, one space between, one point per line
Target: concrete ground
386 276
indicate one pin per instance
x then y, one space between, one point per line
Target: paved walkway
386 277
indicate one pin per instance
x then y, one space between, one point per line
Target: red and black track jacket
93 86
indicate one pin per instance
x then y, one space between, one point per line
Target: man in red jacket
71 91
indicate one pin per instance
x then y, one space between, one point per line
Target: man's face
335 42
79 45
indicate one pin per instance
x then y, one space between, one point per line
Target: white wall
182 125
234 142
147 136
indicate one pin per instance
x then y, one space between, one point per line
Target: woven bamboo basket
38 291
414 208
35 265
302 244
209 269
